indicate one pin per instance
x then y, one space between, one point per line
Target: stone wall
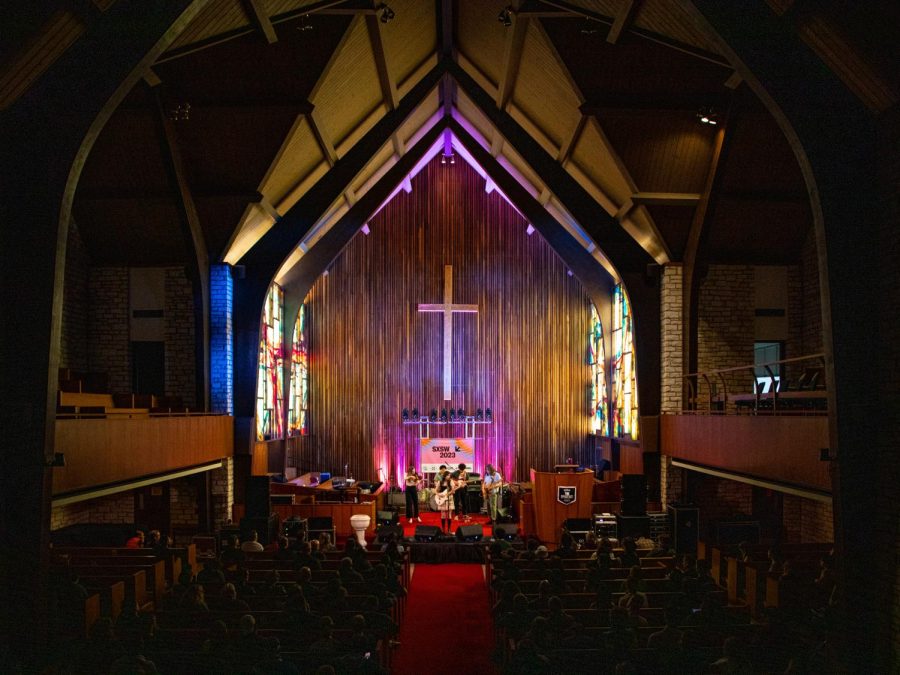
221 339
74 343
807 520
183 509
109 345
222 488
113 509
179 336
671 356
725 325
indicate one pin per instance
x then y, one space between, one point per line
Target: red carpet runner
447 626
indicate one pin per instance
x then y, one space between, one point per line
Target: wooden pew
154 568
135 582
173 558
112 595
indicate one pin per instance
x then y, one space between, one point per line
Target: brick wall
113 509
183 502
179 335
671 338
108 333
221 336
811 299
74 344
807 520
719 498
725 324
222 488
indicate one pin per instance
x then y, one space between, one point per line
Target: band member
459 479
439 476
444 499
490 488
412 494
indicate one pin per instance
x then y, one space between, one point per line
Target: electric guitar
458 483
494 486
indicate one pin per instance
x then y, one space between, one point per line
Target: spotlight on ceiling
708 116
387 14
505 16
529 230
589 27
448 158
365 229
305 25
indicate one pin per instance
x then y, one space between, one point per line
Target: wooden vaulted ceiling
263 97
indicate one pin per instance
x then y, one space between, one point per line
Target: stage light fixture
304 24
405 415
443 414
708 116
415 413
479 415
452 415
433 415
387 14
488 415
461 413
505 16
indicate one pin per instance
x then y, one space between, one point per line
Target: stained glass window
269 389
625 402
299 398
597 356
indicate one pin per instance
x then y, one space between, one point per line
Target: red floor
447 626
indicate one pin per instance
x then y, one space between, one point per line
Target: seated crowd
602 609
297 607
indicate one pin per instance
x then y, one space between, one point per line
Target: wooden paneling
783 449
372 353
103 451
549 512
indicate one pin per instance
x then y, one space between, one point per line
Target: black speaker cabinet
427 532
387 532
470 532
257 498
632 526
387 517
634 494
685 522
506 532
266 528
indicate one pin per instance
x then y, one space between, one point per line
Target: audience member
252 545
670 636
211 573
136 540
629 557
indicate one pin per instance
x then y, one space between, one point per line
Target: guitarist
490 488
459 480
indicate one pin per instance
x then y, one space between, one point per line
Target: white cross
448 308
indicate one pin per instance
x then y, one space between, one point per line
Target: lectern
558 497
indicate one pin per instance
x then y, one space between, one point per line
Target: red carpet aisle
447 626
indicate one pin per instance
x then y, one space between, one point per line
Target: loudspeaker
427 532
387 517
257 497
321 524
507 533
578 528
633 526
470 532
386 532
634 494
685 528
266 528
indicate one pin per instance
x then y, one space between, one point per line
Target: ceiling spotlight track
505 16
386 14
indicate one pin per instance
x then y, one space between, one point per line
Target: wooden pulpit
558 497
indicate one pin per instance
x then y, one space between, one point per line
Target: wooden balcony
781 449
116 449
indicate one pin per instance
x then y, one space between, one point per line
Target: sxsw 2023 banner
449 451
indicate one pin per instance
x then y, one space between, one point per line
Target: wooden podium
558 497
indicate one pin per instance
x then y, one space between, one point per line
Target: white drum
360 523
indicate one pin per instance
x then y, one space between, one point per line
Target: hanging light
415 413
443 414
461 413
505 16
433 415
405 415
708 116
488 415
479 415
387 14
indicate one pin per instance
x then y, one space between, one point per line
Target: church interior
627 268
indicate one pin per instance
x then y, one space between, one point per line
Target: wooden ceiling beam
156 194
446 51
322 139
376 40
512 56
621 247
623 20
566 10
568 146
666 198
256 13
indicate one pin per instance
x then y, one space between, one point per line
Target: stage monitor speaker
388 532
632 526
266 528
427 532
387 517
257 497
470 532
685 528
284 500
504 532
634 494
296 527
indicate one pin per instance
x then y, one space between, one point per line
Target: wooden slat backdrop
373 353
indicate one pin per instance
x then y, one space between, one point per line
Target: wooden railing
728 390
111 450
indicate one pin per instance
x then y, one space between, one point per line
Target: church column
671 360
